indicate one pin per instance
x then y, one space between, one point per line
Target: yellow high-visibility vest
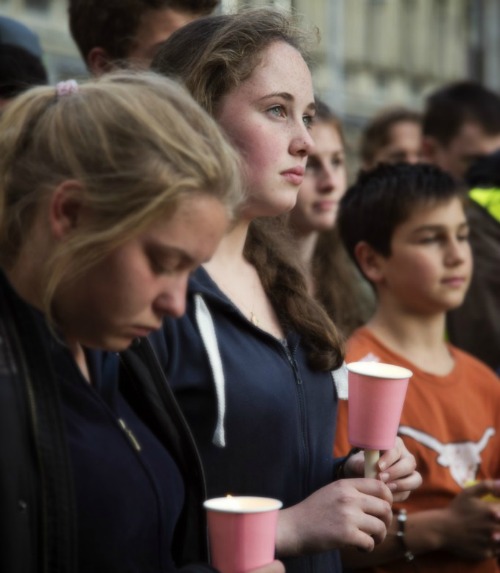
489 199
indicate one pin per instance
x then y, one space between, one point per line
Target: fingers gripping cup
376 396
242 532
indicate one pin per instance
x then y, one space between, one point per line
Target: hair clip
66 88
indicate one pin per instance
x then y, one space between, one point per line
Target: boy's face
156 25
470 143
405 144
430 265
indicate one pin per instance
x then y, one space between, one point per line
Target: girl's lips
142 331
294 176
325 206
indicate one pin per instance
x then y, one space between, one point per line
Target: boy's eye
429 239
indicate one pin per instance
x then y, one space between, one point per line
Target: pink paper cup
242 532
376 396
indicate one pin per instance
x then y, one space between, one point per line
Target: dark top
75 493
275 415
129 492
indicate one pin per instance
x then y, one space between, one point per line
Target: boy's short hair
376 133
113 24
383 198
449 108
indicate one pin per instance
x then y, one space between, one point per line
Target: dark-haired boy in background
111 33
405 227
461 122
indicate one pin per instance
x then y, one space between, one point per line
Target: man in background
394 135
461 123
114 33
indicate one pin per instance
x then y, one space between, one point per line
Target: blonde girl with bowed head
331 277
111 193
251 360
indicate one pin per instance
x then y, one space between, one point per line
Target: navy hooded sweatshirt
262 419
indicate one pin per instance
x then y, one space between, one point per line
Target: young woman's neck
419 338
230 249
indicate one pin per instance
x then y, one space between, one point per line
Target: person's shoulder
362 345
473 365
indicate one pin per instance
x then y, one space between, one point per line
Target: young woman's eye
277 110
463 236
308 120
337 162
160 266
312 164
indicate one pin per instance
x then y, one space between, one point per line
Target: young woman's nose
172 300
302 142
326 182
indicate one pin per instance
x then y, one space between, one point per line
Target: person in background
405 227
475 325
461 122
330 274
462 125
394 135
21 65
251 362
113 34
111 193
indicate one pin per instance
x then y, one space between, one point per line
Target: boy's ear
369 261
65 208
98 61
430 148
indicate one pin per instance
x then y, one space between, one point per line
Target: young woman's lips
142 331
324 206
294 176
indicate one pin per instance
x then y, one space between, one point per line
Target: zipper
300 397
130 435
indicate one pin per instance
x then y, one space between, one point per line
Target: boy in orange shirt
404 226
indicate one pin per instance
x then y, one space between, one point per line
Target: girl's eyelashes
308 120
280 110
277 110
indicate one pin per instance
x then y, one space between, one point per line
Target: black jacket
38 522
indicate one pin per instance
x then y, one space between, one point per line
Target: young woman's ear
369 261
65 208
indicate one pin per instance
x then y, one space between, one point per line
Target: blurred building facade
372 53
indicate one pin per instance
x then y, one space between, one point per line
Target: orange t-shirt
451 424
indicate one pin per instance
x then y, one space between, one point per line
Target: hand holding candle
376 397
242 532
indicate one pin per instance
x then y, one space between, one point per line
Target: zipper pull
130 435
